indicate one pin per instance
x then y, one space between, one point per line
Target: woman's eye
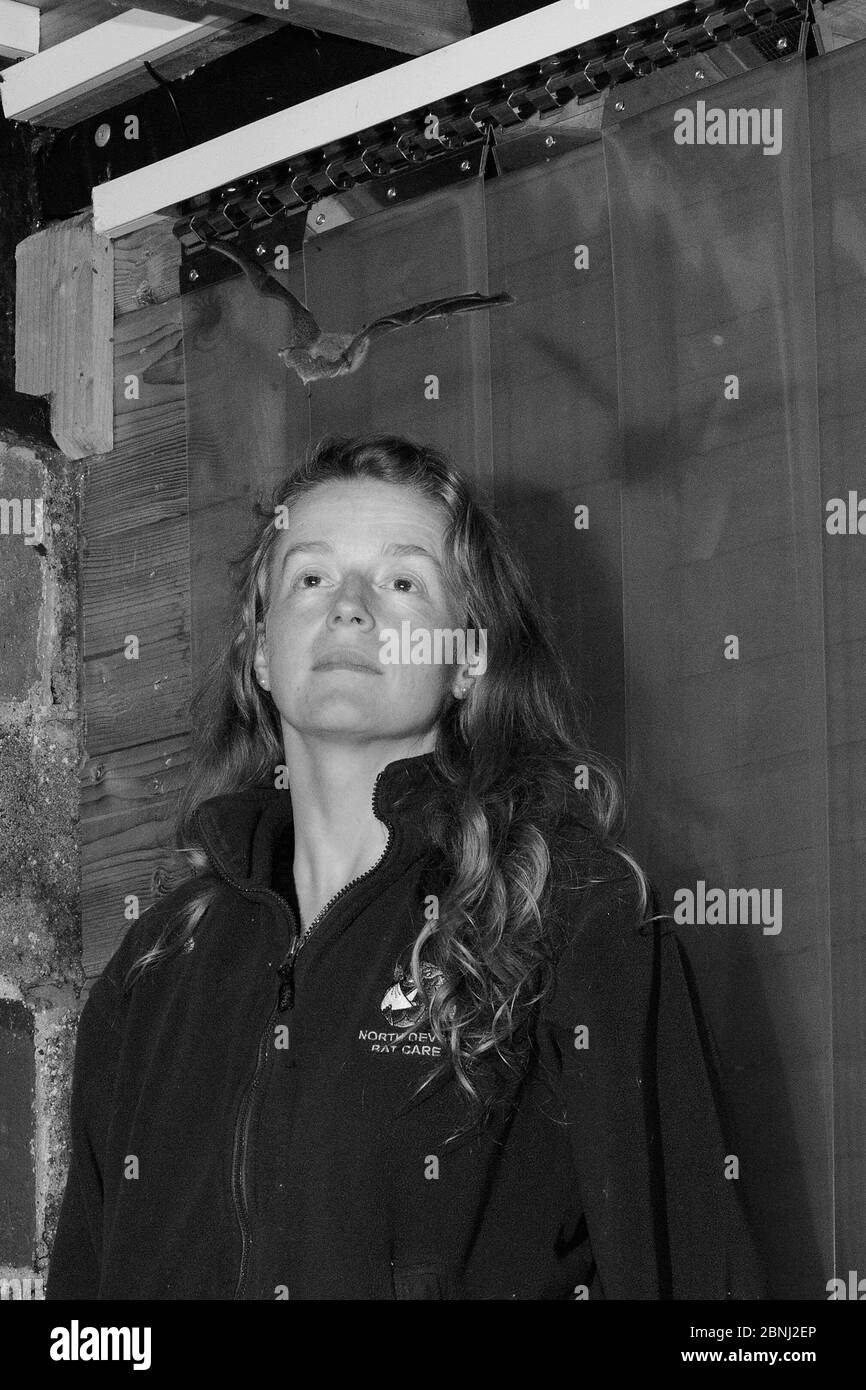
315 574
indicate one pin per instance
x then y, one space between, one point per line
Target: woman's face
337 582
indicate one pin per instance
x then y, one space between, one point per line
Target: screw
465 165
619 106
102 134
699 74
781 44
261 250
193 276
392 192
550 141
320 219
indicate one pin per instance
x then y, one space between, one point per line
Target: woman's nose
354 597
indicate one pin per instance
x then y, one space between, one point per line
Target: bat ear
357 353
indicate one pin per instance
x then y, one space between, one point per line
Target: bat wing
305 330
429 309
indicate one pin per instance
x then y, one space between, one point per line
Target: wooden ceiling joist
409 26
19 29
61 19
104 65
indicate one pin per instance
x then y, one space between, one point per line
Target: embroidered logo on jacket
404 1005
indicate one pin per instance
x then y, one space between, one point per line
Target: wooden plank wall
136 606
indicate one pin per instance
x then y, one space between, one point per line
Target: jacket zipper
287 969
239 1153
285 999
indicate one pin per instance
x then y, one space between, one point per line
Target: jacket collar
241 832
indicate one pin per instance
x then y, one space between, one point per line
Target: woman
409 1032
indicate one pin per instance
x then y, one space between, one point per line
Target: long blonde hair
504 818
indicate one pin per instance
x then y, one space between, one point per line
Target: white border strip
33 89
19 30
125 203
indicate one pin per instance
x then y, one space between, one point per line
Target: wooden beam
146 266
134 200
62 21
409 26
19 30
192 9
214 44
90 65
64 313
135 579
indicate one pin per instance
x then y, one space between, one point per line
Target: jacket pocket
417 1281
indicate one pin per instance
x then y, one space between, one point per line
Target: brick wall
40 753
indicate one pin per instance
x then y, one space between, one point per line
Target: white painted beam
133 200
19 30
31 90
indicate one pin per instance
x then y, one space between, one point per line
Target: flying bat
313 353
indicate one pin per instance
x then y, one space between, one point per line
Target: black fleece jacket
243 1121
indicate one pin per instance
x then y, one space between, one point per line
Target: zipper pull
286 973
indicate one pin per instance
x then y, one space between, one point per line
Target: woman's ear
260 661
465 681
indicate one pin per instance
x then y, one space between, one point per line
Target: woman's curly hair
518 787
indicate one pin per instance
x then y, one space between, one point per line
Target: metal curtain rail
447 140
641 38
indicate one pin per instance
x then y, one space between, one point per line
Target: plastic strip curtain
838 128
249 416
722 610
660 370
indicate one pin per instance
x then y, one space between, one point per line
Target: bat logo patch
404 1006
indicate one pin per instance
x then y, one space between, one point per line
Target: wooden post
135 582
64 331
